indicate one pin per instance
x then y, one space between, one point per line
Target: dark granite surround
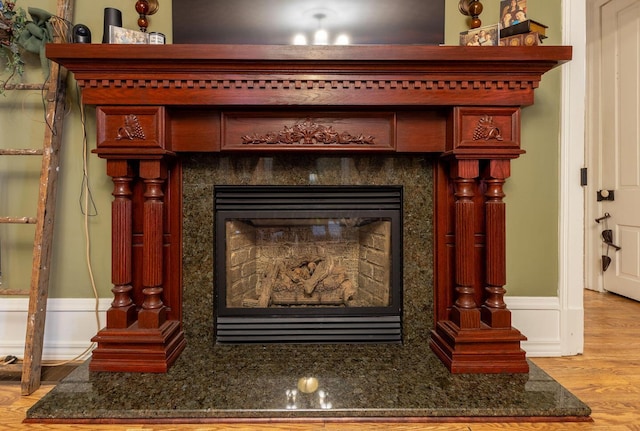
201 172
224 382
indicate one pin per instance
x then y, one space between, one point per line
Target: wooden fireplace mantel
154 102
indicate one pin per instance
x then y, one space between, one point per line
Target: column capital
464 168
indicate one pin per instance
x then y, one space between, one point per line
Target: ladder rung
18 220
21 152
13 292
26 86
11 368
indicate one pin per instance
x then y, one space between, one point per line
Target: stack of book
525 33
516 29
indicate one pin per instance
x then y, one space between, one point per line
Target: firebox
308 264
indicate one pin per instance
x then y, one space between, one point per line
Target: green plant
12 23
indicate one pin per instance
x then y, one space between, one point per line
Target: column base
497 318
483 350
138 350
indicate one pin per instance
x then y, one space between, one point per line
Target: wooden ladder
55 94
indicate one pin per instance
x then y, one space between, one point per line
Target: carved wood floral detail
486 130
308 133
131 129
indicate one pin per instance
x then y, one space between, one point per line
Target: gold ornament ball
475 23
142 7
475 8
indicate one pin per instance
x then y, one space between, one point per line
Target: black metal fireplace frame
323 324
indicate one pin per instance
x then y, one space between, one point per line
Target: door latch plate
606 195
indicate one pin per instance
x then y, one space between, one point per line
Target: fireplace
462 105
308 264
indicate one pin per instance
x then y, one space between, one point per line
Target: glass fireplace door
308 264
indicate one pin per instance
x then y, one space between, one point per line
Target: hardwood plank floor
606 377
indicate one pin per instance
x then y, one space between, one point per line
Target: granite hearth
250 382
214 382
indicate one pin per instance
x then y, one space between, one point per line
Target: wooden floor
606 377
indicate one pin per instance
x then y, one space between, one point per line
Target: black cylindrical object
81 34
113 17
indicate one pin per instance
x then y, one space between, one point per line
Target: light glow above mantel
321 35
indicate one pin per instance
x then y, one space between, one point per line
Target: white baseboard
71 323
538 318
69 326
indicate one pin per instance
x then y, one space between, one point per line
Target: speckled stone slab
203 171
213 381
359 381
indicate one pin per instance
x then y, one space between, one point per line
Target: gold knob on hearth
308 385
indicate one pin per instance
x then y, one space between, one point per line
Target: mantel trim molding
304 84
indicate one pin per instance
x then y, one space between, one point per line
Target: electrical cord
86 198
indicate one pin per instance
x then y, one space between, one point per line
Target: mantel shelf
83 53
442 71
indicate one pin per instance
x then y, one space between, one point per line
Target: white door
619 146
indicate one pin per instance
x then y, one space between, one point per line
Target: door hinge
583 177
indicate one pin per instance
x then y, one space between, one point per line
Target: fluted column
494 310
465 312
123 311
153 313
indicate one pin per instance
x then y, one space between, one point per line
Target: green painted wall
532 192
